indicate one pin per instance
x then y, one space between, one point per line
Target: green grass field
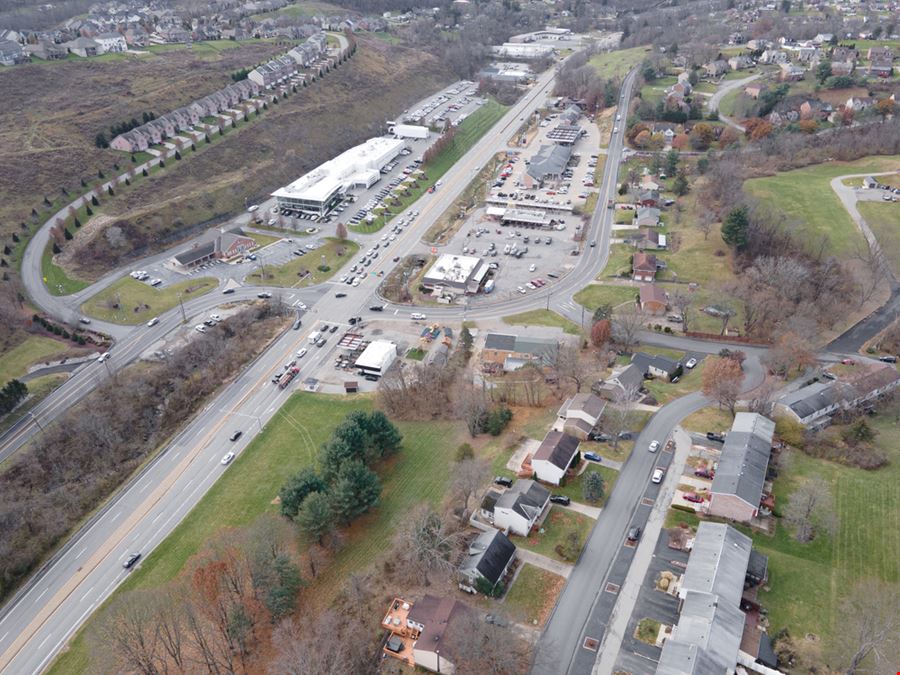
883 219
806 195
708 419
288 443
470 131
291 275
34 349
591 297
532 595
558 523
617 64
56 279
130 302
664 391
543 317
573 489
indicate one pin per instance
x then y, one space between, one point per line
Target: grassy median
130 302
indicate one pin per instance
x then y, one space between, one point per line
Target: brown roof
436 614
651 293
558 448
644 262
869 381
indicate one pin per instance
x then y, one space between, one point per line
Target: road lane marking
45 640
42 594
80 553
84 597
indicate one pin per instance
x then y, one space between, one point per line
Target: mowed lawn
543 317
574 487
34 349
130 302
557 525
288 443
293 274
806 195
594 295
533 595
616 64
883 219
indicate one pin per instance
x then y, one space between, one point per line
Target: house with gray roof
512 352
737 487
490 556
520 507
657 365
580 414
554 456
625 383
713 633
548 164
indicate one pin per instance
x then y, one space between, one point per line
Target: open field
285 142
304 271
807 582
805 195
594 295
883 218
543 317
47 132
130 302
557 525
287 444
34 349
306 8
532 596
708 419
616 64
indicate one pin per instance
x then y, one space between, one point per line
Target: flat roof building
377 358
319 191
456 273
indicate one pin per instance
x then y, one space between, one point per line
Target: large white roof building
317 191
377 358
459 273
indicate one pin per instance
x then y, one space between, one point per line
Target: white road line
4 636
158 516
84 597
80 553
118 513
42 594
45 640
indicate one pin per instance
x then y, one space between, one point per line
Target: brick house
643 266
653 299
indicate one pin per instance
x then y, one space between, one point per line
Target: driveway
723 91
544 562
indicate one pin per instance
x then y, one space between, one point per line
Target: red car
693 497
703 473
848 362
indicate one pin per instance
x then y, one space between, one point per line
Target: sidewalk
628 594
545 563
584 509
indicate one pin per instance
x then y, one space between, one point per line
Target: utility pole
181 303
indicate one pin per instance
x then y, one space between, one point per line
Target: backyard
573 489
130 302
554 532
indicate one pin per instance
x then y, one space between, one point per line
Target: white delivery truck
315 335
409 131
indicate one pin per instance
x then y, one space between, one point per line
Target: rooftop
489 553
453 269
558 448
377 355
745 458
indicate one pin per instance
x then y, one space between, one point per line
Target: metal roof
550 160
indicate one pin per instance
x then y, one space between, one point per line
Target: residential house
716 68
647 198
646 216
623 384
791 72
737 488
488 502
490 557
773 56
222 246
511 352
165 126
643 266
47 50
417 631
814 109
755 89
844 55
859 103
131 141
556 453
83 47
880 54
649 238
580 415
684 77
823 38
111 42
842 68
654 300
870 183
814 404
758 45
11 53
881 67
657 365
740 62
520 507
719 618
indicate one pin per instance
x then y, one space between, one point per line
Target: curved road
724 90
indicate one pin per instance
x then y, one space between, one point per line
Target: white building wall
507 519
547 471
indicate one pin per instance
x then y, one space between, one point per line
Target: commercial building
548 164
511 352
508 73
222 245
520 50
458 274
321 189
377 358
737 488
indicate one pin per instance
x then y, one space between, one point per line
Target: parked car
691 363
703 473
888 359
131 560
235 435
593 457
657 476
226 459
693 497
503 480
634 533
654 446
560 499
715 436
598 436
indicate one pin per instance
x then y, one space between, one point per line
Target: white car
301 353
654 446
302 306
200 328
532 268
417 316
521 290
227 458
356 282
251 209
691 363
343 278
657 476
103 357
152 322
215 317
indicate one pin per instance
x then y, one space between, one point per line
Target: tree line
12 394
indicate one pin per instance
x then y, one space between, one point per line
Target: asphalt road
39 620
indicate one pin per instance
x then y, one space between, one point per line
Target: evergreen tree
315 516
67 234
355 491
735 226
299 487
592 487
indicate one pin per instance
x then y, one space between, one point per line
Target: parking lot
453 103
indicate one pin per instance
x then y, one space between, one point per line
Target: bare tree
722 381
626 325
705 222
810 510
428 543
571 364
875 270
478 647
470 404
468 478
682 302
617 415
128 636
298 645
869 637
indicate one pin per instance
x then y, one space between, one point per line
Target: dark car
503 480
320 342
333 329
131 561
634 533
597 436
352 320
236 435
377 308
593 456
340 295
264 294
228 291
703 473
560 499
888 359
715 436
397 258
